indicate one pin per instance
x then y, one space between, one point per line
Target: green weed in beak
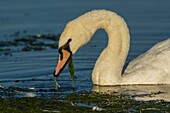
71 70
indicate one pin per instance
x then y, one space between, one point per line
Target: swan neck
114 55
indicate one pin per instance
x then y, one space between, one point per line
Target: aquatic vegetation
71 70
29 43
82 102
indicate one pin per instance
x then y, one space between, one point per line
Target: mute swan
152 67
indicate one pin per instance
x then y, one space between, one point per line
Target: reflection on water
139 92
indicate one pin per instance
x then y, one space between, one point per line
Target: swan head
71 39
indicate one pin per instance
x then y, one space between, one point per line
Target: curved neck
108 67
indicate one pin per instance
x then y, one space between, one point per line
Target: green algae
37 105
82 102
71 70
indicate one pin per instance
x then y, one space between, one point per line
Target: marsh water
26 69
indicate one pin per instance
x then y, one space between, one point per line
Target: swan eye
65 47
60 53
69 40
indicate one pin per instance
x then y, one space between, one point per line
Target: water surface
31 71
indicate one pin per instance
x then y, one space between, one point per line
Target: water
25 72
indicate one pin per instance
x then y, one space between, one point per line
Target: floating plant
28 43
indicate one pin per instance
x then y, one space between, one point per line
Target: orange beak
62 61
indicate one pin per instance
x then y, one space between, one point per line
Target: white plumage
152 67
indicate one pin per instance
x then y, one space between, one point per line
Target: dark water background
148 21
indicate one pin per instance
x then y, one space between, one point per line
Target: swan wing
152 67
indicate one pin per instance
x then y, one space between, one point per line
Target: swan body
152 67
